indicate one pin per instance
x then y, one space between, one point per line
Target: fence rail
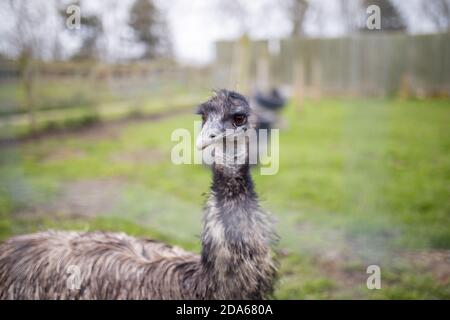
376 64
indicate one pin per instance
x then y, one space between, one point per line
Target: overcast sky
195 25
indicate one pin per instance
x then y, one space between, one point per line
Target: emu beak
209 135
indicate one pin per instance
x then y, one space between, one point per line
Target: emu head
226 116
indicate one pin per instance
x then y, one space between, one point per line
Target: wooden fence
374 64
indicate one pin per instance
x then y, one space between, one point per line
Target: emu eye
239 120
203 117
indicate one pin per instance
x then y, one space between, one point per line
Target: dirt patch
436 262
101 129
348 269
63 153
142 156
345 259
86 198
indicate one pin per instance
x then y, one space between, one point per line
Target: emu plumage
236 260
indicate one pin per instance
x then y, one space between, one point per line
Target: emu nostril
212 136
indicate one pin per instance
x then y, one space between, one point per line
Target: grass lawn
70 104
361 182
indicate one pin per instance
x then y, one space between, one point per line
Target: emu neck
232 182
236 238
233 185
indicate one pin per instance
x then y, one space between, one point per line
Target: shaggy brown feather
236 261
111 266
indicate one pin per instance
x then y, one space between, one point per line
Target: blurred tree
438 13
149 28
236 11
349 10
296 12
26 42
91 31
391 19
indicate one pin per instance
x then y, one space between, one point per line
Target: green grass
50 94
360 182
72 103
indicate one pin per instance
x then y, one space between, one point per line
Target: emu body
236 260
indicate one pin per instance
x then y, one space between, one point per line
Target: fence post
317 78
241 66
299 84
263 72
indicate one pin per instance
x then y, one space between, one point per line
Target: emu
237 259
